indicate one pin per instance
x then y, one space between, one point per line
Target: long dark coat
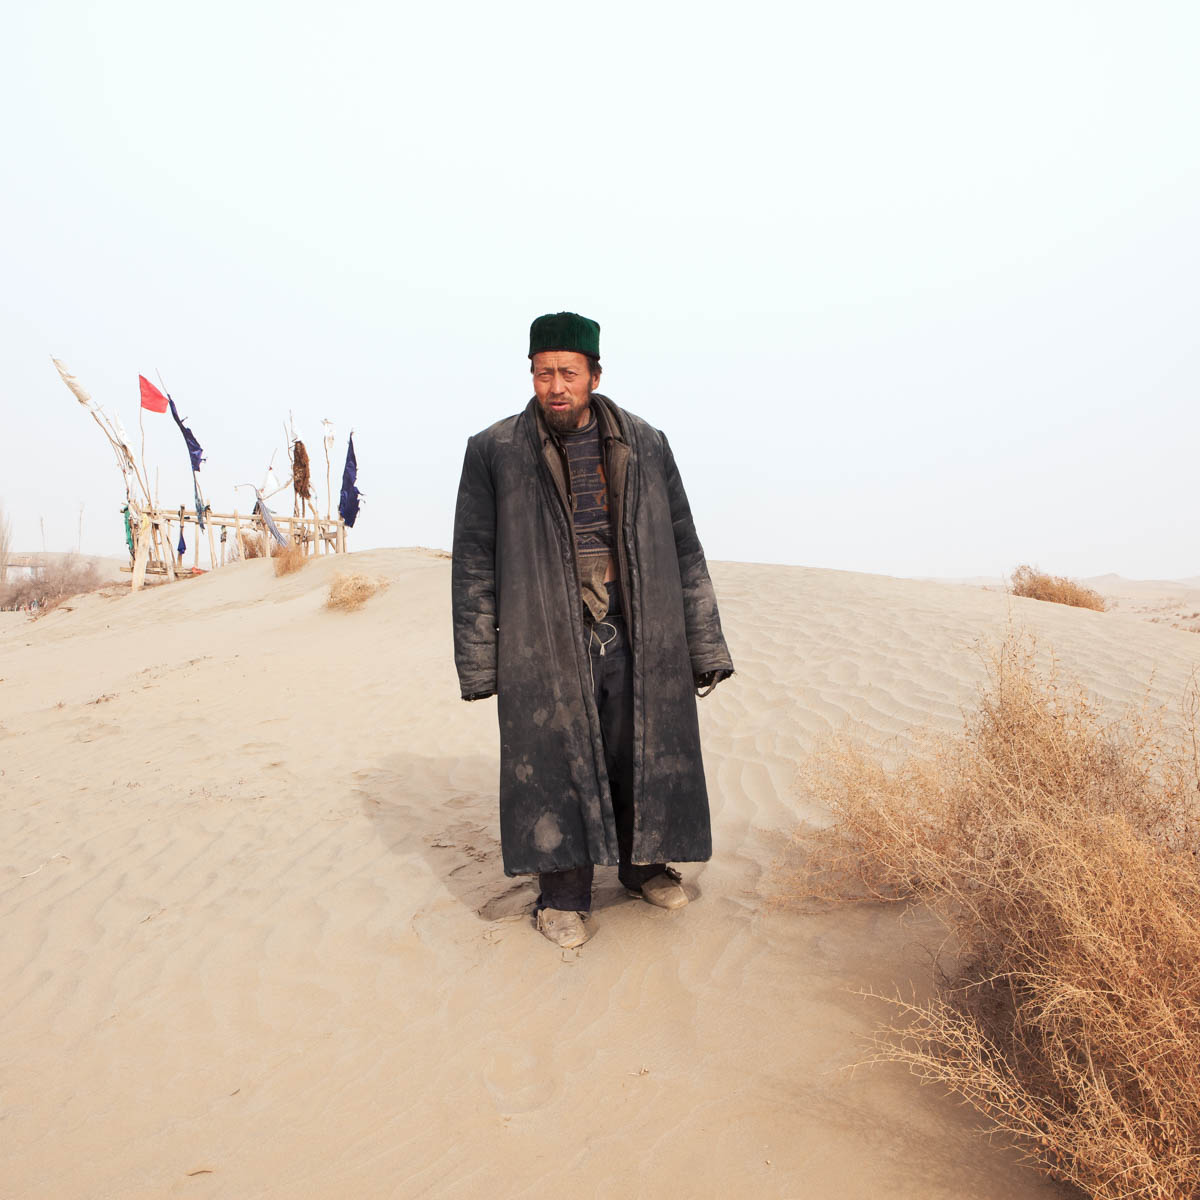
519 631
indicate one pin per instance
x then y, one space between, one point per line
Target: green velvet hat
564 331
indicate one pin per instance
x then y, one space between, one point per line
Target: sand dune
258 941
1174 602
1162 601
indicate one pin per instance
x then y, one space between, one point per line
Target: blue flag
348 504
195 453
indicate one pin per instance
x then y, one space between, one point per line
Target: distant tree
5 544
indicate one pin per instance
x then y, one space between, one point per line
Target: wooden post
237 529
160 541
316 548
155 549
169 558
212 546
142 541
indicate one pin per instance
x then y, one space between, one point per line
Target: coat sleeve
706 643
473 577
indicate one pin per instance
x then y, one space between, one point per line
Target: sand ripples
258 940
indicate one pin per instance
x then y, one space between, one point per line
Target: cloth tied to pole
348 503
261 506
195 451
152 399
301 479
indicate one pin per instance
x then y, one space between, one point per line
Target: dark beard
563 422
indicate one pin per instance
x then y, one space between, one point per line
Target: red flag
152 398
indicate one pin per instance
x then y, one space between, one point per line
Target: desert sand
1174 602
258 941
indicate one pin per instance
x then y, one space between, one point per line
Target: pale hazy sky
912 288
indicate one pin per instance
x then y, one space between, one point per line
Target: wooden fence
156 535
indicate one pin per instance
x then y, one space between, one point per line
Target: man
582 600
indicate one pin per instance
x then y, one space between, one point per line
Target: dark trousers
612 684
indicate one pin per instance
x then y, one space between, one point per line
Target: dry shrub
1037 585
59 580
290 558
1058 847
254 545
5 544
348 592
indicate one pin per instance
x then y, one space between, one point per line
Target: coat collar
607 414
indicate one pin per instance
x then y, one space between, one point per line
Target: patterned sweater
593 532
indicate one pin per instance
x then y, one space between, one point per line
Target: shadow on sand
445 810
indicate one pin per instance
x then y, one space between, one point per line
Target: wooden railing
156 534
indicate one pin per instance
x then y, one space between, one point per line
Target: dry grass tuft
350 592
1059 849
291 558
254 545
59 580
1037 585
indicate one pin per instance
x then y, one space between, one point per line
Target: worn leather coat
520 631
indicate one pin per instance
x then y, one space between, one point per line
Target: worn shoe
563 928
665 890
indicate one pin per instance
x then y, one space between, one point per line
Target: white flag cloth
111 426
122 437
75 386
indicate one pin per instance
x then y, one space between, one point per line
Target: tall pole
328 440
109 427
145 473
328 491
201 504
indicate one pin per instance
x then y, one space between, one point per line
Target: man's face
561 383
